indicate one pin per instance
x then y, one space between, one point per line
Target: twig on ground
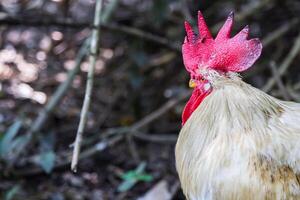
144 35
109 10
144 121
285 64
163 59
295 95
252 8
94 46
141 123
156 138
296 86
270 38
240 16
279 32
133 149
100 146
279 82
159 112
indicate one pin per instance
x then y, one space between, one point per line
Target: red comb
224 53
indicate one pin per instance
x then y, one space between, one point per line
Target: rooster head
220 55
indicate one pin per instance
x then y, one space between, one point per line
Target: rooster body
237 142
240 144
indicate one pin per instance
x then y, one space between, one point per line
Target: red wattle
193 103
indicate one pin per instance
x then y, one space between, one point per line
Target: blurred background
140 89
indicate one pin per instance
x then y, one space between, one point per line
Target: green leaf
127 185
145 177
128 175
133 176
9 137
12 192
46 160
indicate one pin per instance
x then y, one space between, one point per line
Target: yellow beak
192 83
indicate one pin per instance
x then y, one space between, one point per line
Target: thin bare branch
279 32
89 85
285 64
279 82
240 16
156 138
159 112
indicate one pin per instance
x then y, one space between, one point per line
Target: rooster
236 142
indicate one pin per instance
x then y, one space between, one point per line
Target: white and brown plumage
239 143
